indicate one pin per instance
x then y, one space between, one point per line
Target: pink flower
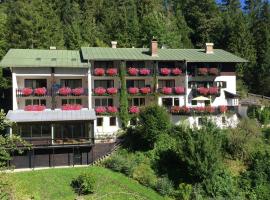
112 90
40 91
210 109
77 91
34 108
134 109
64 91
202 71
213 71
133 71
99 72
112 109
144 71
223 109
100 110
185 109
133 90
179 90
166 90
27 91
100 91
203 90
175 109
199 109
176 71
145 90
71 107
213 90
111 71
165 71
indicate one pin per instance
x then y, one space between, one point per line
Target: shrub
83 184
145 175
164 186
184 191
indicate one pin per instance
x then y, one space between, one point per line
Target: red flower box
213 90
203 90
202 71
99 72
112 109
144 71
112 90
178 109
179 90
133 71
133 90
64 91
111 71
100 110
34 108
210 109
176 71
100 91
145 90
165 71
184 109
223 109
134 110
71 107
213 71
27 91
77 91
199 109
166 90
175 109
40 91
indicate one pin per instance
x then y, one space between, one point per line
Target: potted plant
176 71
112 90
64 91
27 91
213 90
166 90
133 90
144 72
175 109
112 109
134 110
223 109
77 91
179 90
100 91
165 71
213 71
202 71
99 72
133 71
111 71
100 110
203 91
40 91
34 108
210 109
71 107
145 90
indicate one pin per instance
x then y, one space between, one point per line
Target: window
194 102
35 102
35 83
99 121
71 130
35 130
176 101
166 83
136 102
103 102
135 83
71 101
103 64
103 83
166 64
207 102
71 83
223 120
167 102
136 64
112 121
221 84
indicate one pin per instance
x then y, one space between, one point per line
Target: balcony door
71 83
35 83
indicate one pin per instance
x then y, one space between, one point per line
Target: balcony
170 71
204 74
106 110
111 72
66 91
204 91
100 91
139 91
37 92
207 110
179 90
142 72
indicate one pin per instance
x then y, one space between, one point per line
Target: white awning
51 115
201 98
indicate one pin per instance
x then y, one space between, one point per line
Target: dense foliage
83 184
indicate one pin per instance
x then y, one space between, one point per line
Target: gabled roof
42 58
140 54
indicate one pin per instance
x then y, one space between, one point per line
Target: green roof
190 55
42 58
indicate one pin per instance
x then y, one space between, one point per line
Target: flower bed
176 71
145 90
223 109
99 72
100 110
166 90
213 71
64 91
133 71
144 72
213 90
134 110
133 90
112 91
179 90
71 107
40 91
111 72
27 91
203 91
112 109
34 108
202 71
77 91
100 91
165 71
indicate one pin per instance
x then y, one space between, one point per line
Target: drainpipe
89 85
186 83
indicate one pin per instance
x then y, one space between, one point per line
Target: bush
184 191
83 184
145 175
164 186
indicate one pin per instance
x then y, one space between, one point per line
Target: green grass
55 184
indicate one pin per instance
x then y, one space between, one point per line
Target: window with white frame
135 83
71 101
103 102
221 84
35 102
166 83
35 83
71 83
168 102
104 83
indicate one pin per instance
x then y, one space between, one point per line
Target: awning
51 115
230 95
200 98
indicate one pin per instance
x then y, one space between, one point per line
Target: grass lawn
55 184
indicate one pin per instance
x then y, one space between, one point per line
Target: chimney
52 48
114 43
154 48
209 48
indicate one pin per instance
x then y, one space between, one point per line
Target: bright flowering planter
180 110
112 109
213 90
112 91
78 91
199 109
202 71
223 109
210 109
27 91
203 91
71 107
133 71
40 91
165 71
179 90
64 91
100 110
144 72
175 109
145 90
176 71
133 90
100 91
99 72
111 71
213 71
166 90
134 110
34 108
